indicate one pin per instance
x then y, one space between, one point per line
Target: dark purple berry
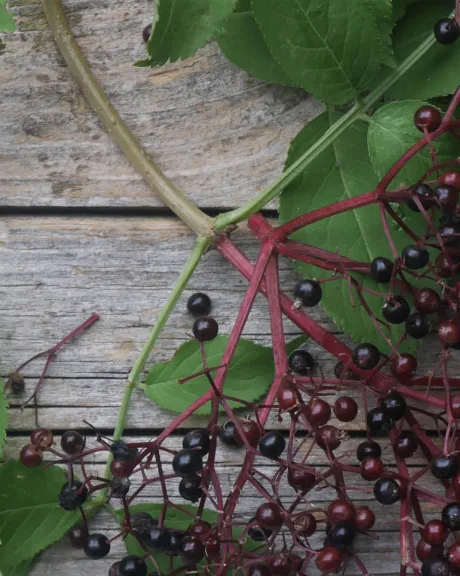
97 546
205 329
72 495
301 362
308 292
446 31
199 304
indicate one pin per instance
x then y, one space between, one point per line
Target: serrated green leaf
175 520
383 13
6 18
19 570
241 41
392 133
182 27
3 416
343 171
438 72
30 517
327 47
400 7
250 374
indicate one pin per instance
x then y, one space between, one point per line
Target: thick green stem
291 173
201 244
174 198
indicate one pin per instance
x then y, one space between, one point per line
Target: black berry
72 442
199 304
396 310
379 421
174 545
444 467
381 269
387 491
424 193
119 487
308 292
72 495
368 449
451 516
141 522
256 533
97 546
122 452
159 538
415 257
190 489
436 567
78 535
272 445
191 550
417 325
197 440
341 535
132 566
226 434
446 31
187 463
394 405
301 362
205 329
447 197
366 356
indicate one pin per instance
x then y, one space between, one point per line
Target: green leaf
400 7
383 14
175 520
250 374
343 171
392 133
296 343
241 41
6 18
182 27
330 48
19 570
3 416
30 517
438 72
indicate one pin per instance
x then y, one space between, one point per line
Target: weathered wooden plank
216 132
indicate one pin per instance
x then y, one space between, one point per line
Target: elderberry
199 304
379 421
394 405
436 567
119 487
451 516
132 566
272 444
308 292
387 491
72 442
301 362
187 463
381 269
226 434
158 538
368 449
396 310
415 257
72 495
366 356
341 535
190 489
417 325
427 118
205 329
122 452
197 440
96 546
444 467
424 194
447 31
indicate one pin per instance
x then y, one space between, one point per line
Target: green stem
290 174
201 244
174 198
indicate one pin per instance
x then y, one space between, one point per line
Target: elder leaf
3 416
241 40
392 133
250 374
330 48
6 18
438 72
400 7
30 517
343 171
383 13
182 27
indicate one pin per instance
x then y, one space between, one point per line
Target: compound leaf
327 47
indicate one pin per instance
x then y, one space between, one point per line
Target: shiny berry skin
387 491
96 546
423 193
444 467
417 325
345 409
205 329
72 442
427 301
305 525
256 533
72 495
365 519
226 434
447 197
308 292
119 487
198 440
368 449
415 257
269 516
435 533
258 570
341 511
279 565
379 421
199 528
450 234
121 451
396 310
251 432
30 456
318 412
426 551
453 555
300 479
406 444
132 566
16 382
272 444
455 406
404 366
446 31
341 535
395 405
381 269
371 469
146 33
158 538
199 304
366 356
122 469
436 567
449 332
329 559
451 516
328 437
450 178
190 489
301 362
191 550
287 397
427 118
78 535
187 463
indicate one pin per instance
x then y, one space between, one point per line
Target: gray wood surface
216 132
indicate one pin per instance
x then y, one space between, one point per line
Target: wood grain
217 133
